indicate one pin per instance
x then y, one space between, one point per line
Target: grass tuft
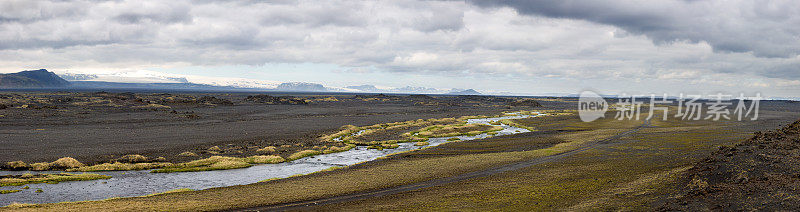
17 165
264 159
48 178
67 162
61 163
390 146
270 179
436 131
267 149
171 191
302 154
208 164
9 191
188 154
133 159
18 205
335 149
117 166
40 166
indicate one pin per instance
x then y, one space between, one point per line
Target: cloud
561 44
765 28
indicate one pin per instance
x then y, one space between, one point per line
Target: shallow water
139 183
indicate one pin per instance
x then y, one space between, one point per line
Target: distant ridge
32 79
465 92
301 86
406 89
366 88
168 86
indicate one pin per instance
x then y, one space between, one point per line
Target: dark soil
96 127
276 100
526 102
762 173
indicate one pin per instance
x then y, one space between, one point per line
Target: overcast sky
564 46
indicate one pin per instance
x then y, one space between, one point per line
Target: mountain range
156 80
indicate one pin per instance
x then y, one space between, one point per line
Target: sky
525 47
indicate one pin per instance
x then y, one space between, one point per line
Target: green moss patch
17 180
454 130
9 191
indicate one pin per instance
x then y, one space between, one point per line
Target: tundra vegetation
18 205
125 163
302 154
9 191
627 173
624 173
171 191
267 149
511 122
118 166
188 154
413 131
453 130
18 180
260 159
423 165
219 163
61 163
349 136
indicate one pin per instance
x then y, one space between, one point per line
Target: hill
32 79
759 174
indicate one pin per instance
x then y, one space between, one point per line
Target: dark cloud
765 28
54 44
321 14
24 11
785 71
166 18
605 41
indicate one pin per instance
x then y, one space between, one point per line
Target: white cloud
440 39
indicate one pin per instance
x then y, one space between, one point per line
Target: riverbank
172 177
109 126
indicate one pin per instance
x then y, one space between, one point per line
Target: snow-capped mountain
144 76
301 86
406 89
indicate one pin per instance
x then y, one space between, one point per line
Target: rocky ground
762 173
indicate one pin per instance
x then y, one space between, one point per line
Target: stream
139 183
